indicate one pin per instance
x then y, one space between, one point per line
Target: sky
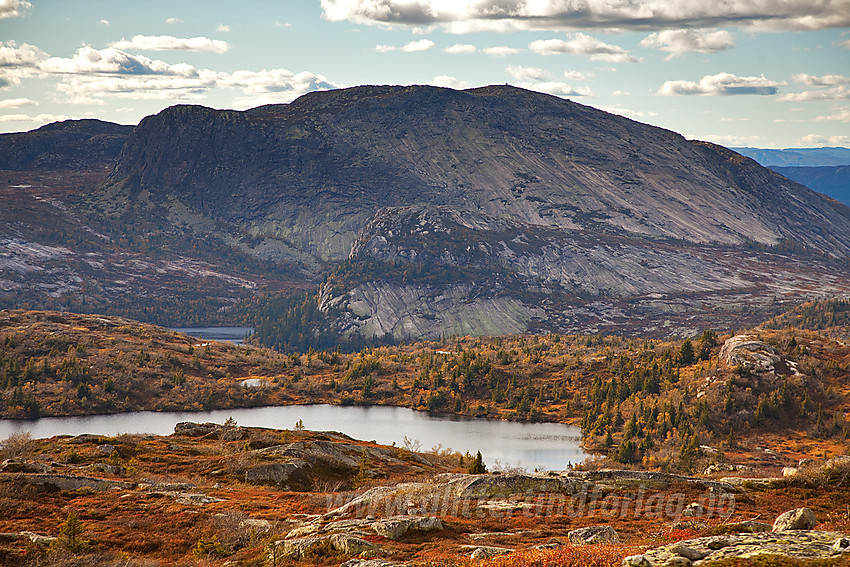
760 73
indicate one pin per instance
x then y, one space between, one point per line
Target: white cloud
621 93
224 28
171 43
17 102
527 73
88 60
38 119
845 44
555 88
500 51
722 84
460 48
418 45
25 55
104 23
678 42
737 141
505 15
282 24
576 76
842 115
838 92
823 81
412 47
172 21
820 140
14 8
583 44
448 82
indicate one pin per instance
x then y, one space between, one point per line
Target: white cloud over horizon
679 42
17 102
507 15
448 82
583 44
722 84
171 43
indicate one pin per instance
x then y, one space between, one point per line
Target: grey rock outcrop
396 526
593 534
299 547
750 353
799 519
485 551
792 545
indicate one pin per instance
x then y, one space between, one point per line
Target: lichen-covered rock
636 561
749 352
70 482
791 545
396 526
19 465
484 551
799 519
368 563
593 534
299 547
504 485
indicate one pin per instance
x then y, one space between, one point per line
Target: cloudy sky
764 73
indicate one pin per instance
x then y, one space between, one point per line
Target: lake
235 335
544 446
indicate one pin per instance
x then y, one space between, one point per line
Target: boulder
21 466
299 547
637 561
368 563
105 449
799 519
396 526
349 545
750 353
484 551
189 429
592 535
292 475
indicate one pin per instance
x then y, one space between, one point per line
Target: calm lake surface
235 335
545 446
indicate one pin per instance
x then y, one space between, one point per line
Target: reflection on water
548 446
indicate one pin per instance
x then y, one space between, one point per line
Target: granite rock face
749 352
424 212
791 545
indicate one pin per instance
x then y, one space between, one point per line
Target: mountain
831 180
799 157
72 144
825 170
425 212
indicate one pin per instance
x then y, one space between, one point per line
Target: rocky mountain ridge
426 211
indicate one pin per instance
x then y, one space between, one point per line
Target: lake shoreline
530 445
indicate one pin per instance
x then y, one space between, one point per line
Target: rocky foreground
225 494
